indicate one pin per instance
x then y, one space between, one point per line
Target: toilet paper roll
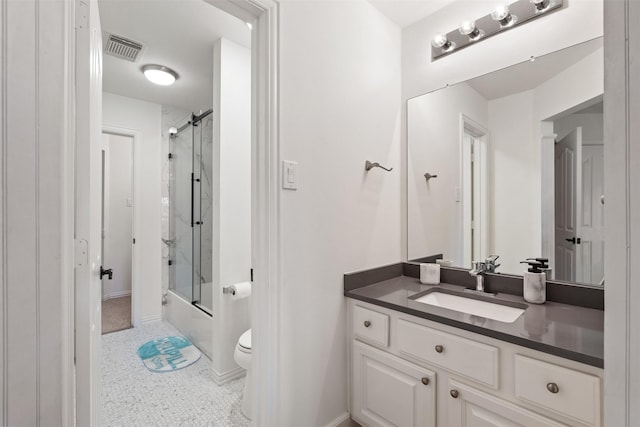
241 290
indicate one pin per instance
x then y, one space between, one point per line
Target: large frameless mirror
511 163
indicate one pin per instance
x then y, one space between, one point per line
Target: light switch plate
289 175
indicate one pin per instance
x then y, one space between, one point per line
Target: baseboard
116 295
343 420
150 319
220 379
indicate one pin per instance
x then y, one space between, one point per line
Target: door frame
266 203
467 124
135 216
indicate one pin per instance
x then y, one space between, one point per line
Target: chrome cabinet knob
553 388
367 323
439 348
454 393
425 381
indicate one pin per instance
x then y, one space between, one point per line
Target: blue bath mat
168 354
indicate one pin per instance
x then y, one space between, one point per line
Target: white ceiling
178 34
407 12
528 75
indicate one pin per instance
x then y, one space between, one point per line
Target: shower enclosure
191 211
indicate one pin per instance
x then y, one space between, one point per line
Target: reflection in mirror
511 163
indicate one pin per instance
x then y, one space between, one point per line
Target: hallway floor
133 396
116 314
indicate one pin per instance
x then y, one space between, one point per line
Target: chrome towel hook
368 166
428 176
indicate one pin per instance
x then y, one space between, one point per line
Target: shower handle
193 181
192 191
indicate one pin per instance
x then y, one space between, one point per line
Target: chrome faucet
490 263
479 267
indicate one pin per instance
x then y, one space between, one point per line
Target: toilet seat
244 342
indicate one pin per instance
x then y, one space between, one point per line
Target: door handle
574 240
104 272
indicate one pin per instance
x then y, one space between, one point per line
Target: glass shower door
191 212
203 204
180 188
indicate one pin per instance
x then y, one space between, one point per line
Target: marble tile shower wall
206 206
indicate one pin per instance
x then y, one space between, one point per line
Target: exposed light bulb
542 5
503 16
469 28
440 41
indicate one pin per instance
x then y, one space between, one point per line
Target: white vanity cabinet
392 391
408 371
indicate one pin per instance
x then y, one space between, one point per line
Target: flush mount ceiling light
469 29
503 18
440 41
159 74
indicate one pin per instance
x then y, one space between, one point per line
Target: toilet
242 356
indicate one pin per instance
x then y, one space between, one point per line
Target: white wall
142 118
232 197
514 175
339 106
434 215
118 214
592 127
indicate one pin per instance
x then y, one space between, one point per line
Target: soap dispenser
535 284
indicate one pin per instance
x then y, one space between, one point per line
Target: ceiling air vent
122 47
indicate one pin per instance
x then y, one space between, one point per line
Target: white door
468 407
474 196
88 219
388 391
568 165
591 252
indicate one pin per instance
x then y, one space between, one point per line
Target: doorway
117 231
262 15
473 178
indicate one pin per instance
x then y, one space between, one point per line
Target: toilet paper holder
228 290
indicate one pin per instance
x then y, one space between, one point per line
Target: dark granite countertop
568 331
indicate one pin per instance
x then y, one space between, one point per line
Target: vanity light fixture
503 18
440 41
471 30
159 74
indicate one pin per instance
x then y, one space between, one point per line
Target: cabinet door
388 391
472 408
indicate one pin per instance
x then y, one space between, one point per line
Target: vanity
417 364
511 164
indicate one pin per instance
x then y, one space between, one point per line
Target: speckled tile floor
132 396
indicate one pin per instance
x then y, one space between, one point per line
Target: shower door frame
81 371
196 220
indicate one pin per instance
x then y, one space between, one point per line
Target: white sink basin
499 312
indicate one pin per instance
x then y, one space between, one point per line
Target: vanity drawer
371 325
463 356
562 390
